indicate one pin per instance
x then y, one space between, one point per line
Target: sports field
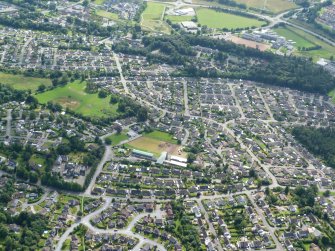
74 97
299 41
178 19
106 14
157 142
275 6
221 20
326 50
152 18
21 82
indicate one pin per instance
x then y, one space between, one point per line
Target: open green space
220 20
108 15
178 19
289 34
152 18
99 2
275 6
163 136
74 97
22 82
326 50
117 138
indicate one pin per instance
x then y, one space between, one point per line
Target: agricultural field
220 20
152 18
274 6
289 34
157 142
325 52
21 82
74 97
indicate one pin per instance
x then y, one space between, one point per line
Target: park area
152 18
221 20
74 97
157 142
21 82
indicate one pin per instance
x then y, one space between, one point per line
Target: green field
99 2
221 20
162 136
74 97
325 52
152 18
21 82
299 40
178 19
275 6
117 138
108 15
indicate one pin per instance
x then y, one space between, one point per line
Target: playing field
74 97
157 142
299 41
275 6
221 20
325 52
21 82
178 19
152 18
106 14
249 43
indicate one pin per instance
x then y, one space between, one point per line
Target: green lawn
106 14
220 20
178 19
21 82
117 138
290 34
74 97
162 136
325 52
275 6
99 2
152 18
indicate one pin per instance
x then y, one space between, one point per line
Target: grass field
108 15
220 20
21 82
117 138
325 52
157 142
152 18
99 2
290 34
162 136
178 19
74 97
275 6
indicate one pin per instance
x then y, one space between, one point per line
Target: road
187 111
107 157
119 67
9 123
85 219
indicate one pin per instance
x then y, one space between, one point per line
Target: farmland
221 20
74 97
152 18
178 19
21 82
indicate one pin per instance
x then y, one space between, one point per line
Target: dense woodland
319 141
293 72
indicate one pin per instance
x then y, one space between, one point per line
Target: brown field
156 146
248 43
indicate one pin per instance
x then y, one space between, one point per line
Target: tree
108 141
3 231
326 193
102 94
41 88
